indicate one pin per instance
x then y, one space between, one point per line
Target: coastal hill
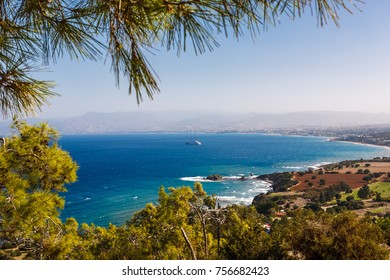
362 186
201 121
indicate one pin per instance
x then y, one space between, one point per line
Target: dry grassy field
376 174
349 175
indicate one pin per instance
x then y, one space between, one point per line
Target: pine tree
33 170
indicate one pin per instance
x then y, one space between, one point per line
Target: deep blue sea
119 174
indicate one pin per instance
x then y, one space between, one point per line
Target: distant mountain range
181 121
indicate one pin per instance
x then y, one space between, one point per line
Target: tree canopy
33 170
38 32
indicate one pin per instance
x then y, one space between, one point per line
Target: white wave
261 183
313 166
293 167
135 197
196 179
227 198
246 200
241 176
224 178
260 187
87 198
259 190
231 177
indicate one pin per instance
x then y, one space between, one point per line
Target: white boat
191 140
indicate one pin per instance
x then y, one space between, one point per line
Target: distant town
370 135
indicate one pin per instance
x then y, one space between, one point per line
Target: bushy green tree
33 170
310 235
364 192
176 228
384 224
244 234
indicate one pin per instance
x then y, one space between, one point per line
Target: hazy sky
296 66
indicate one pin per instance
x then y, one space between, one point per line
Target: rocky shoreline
219 177
332 187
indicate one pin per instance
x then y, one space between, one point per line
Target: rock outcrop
214 177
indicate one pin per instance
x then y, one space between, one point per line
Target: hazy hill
315 119
171 121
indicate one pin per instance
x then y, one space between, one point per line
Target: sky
294 66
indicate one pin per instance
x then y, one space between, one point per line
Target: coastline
333 188
230 157
363 144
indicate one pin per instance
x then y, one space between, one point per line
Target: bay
119 174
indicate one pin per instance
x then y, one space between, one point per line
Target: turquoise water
119 174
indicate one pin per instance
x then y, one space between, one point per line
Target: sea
119 174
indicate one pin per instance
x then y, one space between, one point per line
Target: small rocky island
214 177
219 177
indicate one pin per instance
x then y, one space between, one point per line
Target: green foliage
351 204
245 237
33 153
384 225
178 227
383 188
334 191
316 207
327 194
367 178
309 235
21 94
265 206
281 181
364 192
33 169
